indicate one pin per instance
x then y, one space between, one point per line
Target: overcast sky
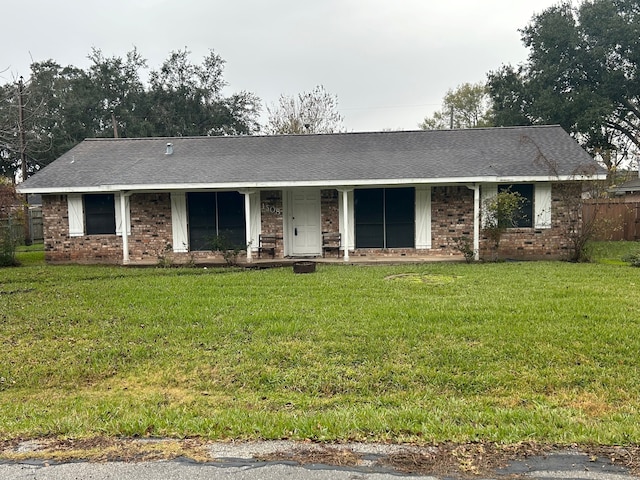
389 62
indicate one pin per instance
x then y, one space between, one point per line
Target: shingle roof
630 186
330 159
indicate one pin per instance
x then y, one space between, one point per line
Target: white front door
305 222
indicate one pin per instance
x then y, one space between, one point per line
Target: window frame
527 210
212 219
382 219
99 213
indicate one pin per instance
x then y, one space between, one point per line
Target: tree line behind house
581 73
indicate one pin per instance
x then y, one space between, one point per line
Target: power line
381 107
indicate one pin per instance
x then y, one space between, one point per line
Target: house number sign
271 209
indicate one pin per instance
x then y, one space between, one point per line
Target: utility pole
115 125
23 159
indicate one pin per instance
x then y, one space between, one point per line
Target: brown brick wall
60 247
451 218
271 217
546 243
330 211
151 234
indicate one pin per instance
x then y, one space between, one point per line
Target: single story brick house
414 194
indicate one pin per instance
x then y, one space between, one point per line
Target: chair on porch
331 242
267 244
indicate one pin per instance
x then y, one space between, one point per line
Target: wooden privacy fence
35 225
11 230
14 226
614 218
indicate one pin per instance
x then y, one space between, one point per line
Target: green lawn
612 252
504 352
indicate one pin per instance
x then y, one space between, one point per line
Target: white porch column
125 233
476 221
247 222
345 222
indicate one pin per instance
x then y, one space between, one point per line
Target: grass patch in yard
423 353
612 253
30 255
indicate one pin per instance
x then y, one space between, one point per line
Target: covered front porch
373 223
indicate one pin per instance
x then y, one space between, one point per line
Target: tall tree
115 93
582 73
9 153
60 111
465 107
308 112
64 105
510 99
186 99
43 117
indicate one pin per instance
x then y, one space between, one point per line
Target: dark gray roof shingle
630 186
332 159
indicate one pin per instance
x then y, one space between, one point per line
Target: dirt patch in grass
462 459
323 455
458 460
14 292
482 459
470 460
103 449
627 457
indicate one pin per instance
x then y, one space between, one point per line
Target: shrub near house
10 218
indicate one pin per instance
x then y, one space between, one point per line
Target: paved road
552 468
238 463
175 470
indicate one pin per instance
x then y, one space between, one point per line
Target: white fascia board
64 190
546 178
320 183
354 183
312 183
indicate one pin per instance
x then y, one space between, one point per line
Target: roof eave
310 183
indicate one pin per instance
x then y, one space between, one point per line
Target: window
525 219
369 218
215 213
384 217
100 214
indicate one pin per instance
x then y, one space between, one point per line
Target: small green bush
222 243
465 246
499 213
7 247
632 259
9 221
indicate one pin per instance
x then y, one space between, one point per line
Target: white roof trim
315 183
